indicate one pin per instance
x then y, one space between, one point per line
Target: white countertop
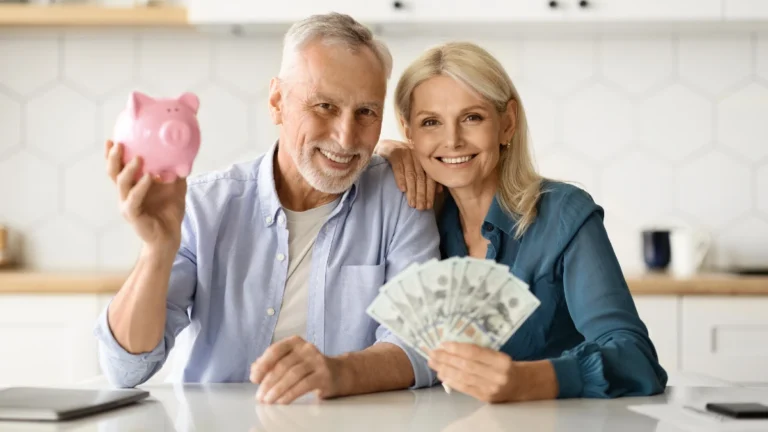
232 407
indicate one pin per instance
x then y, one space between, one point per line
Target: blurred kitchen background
658 108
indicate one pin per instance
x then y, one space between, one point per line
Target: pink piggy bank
165 133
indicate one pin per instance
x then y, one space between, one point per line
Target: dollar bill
383 311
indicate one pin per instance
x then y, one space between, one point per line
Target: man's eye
325 106
367 112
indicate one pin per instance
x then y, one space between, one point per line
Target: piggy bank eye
176 109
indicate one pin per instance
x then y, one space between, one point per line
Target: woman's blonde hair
467 63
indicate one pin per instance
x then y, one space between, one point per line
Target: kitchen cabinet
644 10
661 317
725 337
459 11
745 10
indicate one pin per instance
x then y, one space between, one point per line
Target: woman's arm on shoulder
617 357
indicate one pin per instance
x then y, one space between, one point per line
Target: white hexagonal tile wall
29 192
60 123
262 132
675 123
89 193
564 166
119 247
637 65
742 244
61 244
507 51
715 64
223 127
558 66
174 63
10 123
35 62
715 189
742 122
84 55
111 108
597 122
541 112
762 189
248 73
637 188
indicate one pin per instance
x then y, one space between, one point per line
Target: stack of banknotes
454 300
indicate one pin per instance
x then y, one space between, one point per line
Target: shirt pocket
359 287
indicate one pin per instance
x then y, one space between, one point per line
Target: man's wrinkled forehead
337 72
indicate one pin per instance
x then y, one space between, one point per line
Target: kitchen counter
29 282
233 407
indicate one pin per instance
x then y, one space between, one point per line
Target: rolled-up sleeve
415 240
124 369
617 357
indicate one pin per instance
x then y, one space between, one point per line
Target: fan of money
454 300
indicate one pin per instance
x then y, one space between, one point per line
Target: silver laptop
37 403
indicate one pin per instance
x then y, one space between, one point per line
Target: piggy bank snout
175 133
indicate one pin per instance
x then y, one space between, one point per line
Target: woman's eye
429 122
474 117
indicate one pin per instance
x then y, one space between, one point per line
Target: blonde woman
466 128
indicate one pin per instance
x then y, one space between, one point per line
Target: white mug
688 248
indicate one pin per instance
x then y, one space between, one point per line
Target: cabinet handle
583 3
553 4
397 5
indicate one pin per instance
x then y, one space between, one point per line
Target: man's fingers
293 377
421 184
132 205
114 160
399 169
410 180
271 356
431 186
306 385
277 372
127 178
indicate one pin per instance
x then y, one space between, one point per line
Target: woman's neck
473 203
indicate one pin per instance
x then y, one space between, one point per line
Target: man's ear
509 121
276 100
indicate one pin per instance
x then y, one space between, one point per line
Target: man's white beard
323 180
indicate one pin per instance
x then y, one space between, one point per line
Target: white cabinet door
726 337
660 315
644 10
47 340
431 11
745 10
282 11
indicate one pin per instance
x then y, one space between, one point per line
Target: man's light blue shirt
229 275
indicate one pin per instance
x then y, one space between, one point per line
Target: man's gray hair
332 28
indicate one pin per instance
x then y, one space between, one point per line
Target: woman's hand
483 373
409 175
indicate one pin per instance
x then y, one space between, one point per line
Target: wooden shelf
20 15
31 282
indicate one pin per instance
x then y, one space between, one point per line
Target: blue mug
656 249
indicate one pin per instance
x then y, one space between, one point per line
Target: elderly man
269 265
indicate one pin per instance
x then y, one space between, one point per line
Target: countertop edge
41 282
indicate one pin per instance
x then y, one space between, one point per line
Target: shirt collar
496 216
499 218
268 198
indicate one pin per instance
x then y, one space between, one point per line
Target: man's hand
292 368
410 177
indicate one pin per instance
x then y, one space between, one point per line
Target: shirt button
268 219
280 257
270 311
487 226
281 220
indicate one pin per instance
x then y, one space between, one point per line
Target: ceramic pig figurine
165 133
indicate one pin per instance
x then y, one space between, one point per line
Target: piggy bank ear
191 101
137 101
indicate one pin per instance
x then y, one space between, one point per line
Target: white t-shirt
303 228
